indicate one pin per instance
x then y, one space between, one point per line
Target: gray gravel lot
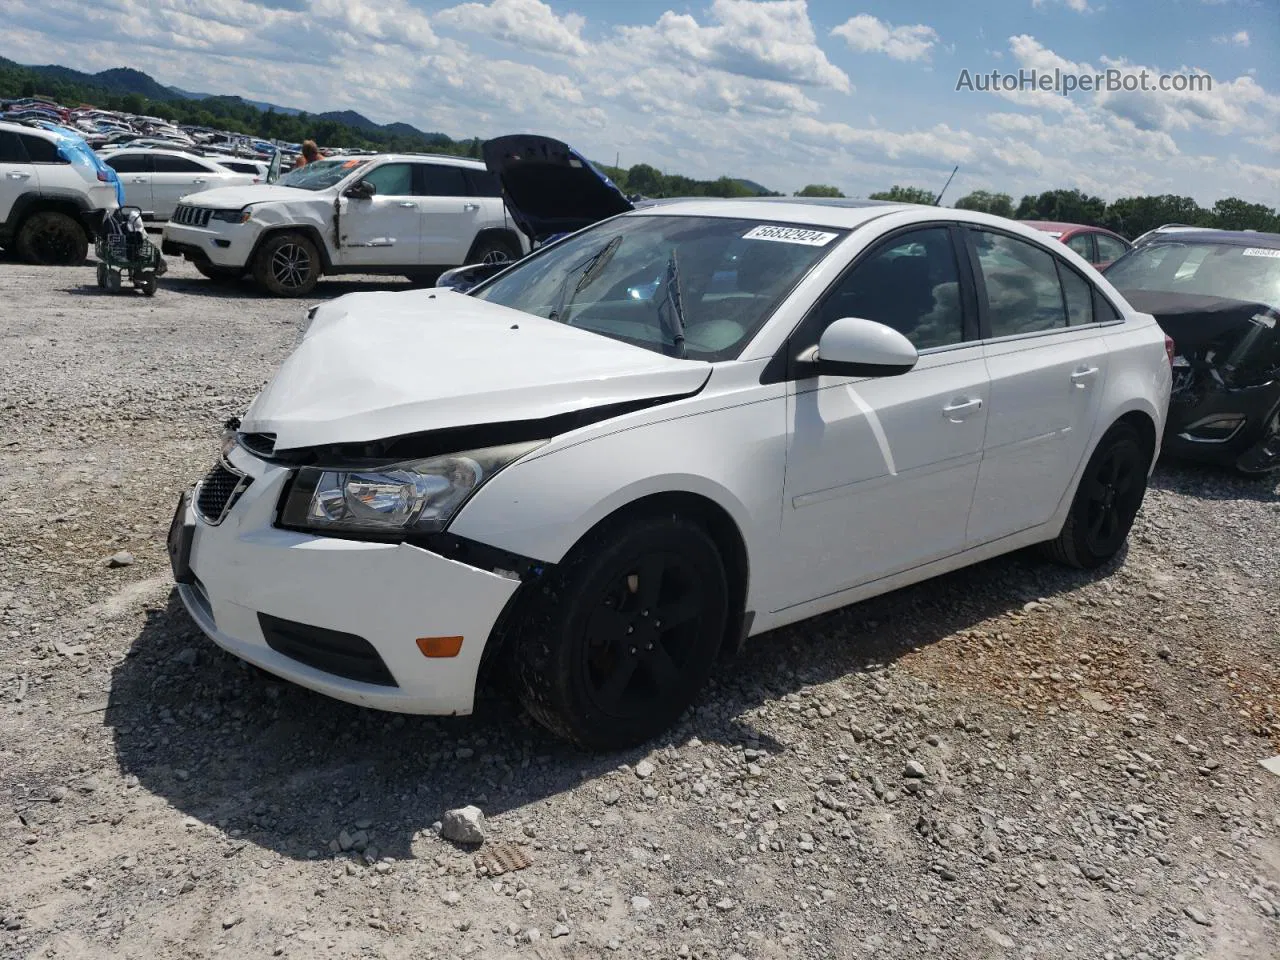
1014 760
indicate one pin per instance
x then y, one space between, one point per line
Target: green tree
819 190
1068 206
133 103
999 204
906 195
645 179
1232 213
1131 216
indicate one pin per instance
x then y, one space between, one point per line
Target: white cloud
1079 6
1238 39
866 34
770 40
528 24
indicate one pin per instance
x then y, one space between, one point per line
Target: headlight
232 216
418 496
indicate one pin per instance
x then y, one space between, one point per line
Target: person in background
310 154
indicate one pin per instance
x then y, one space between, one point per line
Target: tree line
1128 216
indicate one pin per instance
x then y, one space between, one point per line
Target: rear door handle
1083 375
959 409
199 180
471 206
407 203
19 175
139 179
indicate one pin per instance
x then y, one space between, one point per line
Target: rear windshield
1224 271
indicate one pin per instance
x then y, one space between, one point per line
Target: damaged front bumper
1214 422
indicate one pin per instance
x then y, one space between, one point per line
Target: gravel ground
1013 760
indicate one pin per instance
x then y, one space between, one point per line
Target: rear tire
1111 491
614 645
52 239
217 274
495 248
287 265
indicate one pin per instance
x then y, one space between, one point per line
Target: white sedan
154 180
673 430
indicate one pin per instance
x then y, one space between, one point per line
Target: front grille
218 492
342 654
262 444
192 216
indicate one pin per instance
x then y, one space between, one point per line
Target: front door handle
471 206
19 175
139 179
1083 376
199 180
960 409
407 203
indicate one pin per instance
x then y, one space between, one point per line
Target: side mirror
464 278
852 347
364 190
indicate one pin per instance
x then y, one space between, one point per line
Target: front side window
624 278
391 180
911 284
1022 289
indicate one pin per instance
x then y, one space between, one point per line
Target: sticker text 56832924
810 238
1261 252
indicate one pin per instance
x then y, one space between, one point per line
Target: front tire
287 265
52 239
1111 491
615 644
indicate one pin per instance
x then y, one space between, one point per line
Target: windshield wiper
674 306
585 272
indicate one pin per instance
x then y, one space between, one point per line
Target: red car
1100 247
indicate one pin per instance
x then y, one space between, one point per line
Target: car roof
1061 226
21 127
1234 238
445 158
814 211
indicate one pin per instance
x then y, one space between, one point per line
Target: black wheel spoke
661 668
619 678
607 626
670 615
1097 517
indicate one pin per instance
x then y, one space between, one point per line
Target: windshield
620 279
1220 270
319 174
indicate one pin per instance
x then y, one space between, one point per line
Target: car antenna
938 199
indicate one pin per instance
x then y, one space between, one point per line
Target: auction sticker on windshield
810 238
1261 252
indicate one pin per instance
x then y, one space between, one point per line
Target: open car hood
1196 321
550 188
373 366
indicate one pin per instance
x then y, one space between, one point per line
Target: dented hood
550 188
378 365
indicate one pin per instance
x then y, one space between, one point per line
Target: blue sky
857 94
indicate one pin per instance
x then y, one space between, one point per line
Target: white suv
154 180
412 215
676 429
53 192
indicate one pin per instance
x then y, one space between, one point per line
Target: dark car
1217 294
1100 247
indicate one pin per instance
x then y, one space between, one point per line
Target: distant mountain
359 121
257 104
754 187
117 80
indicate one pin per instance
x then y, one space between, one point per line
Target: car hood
378 365
1196 321
235 197
549 187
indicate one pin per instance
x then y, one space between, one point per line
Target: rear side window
40 150
1109 248
11 148
167 164
911 284
483 183
1078 294
1103 311
1082 243
1022 290
442 181
130 163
